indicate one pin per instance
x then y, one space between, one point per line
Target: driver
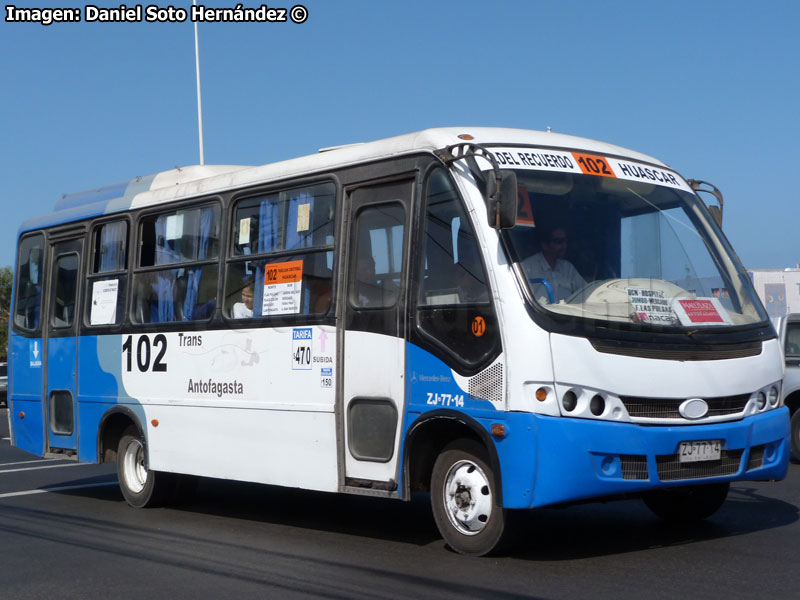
550 264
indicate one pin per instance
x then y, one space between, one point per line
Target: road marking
43 467
27 462
6 439
63 488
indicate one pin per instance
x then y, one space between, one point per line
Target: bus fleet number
144 351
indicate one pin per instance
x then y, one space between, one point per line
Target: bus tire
140 486
795 427
464 500
687 504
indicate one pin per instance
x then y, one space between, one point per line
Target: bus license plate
699 451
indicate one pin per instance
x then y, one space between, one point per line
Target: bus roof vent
191 173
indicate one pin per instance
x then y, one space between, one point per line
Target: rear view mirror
501 199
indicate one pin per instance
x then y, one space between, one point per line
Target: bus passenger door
374 301
61 326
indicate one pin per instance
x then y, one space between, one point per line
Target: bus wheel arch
112 426
428 438
454 458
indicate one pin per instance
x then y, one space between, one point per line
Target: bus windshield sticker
588 164
282 288
524 208
651 306
303 217
701 311
104 302
244 231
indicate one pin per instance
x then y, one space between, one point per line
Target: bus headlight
773 396
761 400
569 401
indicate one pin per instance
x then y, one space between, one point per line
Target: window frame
52 326
486 309
31 332
123 275
270 257
137 270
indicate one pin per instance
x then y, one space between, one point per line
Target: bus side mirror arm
501 186
716 211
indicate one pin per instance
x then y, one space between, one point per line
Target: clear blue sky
711 88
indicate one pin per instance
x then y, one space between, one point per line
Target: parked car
3 384
789 330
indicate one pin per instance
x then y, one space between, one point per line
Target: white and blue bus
508 319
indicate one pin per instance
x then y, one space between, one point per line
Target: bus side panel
99 389
293 448
25 394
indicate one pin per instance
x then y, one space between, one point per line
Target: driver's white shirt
564 279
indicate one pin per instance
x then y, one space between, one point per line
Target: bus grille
756 460
670 469
634 467
662 408
680 352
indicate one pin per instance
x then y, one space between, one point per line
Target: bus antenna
199 102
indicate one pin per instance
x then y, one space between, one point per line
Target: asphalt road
79 539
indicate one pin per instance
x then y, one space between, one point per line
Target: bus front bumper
574 459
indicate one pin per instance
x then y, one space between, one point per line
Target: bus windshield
625 251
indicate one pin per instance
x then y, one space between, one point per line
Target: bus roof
197 180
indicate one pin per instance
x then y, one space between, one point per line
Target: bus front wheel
140 486
464 500
687 504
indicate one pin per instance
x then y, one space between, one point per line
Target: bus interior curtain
163 309
268 227
194 275
299 227
299 232
111 244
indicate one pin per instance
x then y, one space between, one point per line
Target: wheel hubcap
467 497
134 471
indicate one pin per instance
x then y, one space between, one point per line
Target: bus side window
107 281
792 339
452 272
29 282
65 292
184 246
282 244
379 257
455 316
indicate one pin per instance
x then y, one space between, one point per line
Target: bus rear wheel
140 486
687 504
464 500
